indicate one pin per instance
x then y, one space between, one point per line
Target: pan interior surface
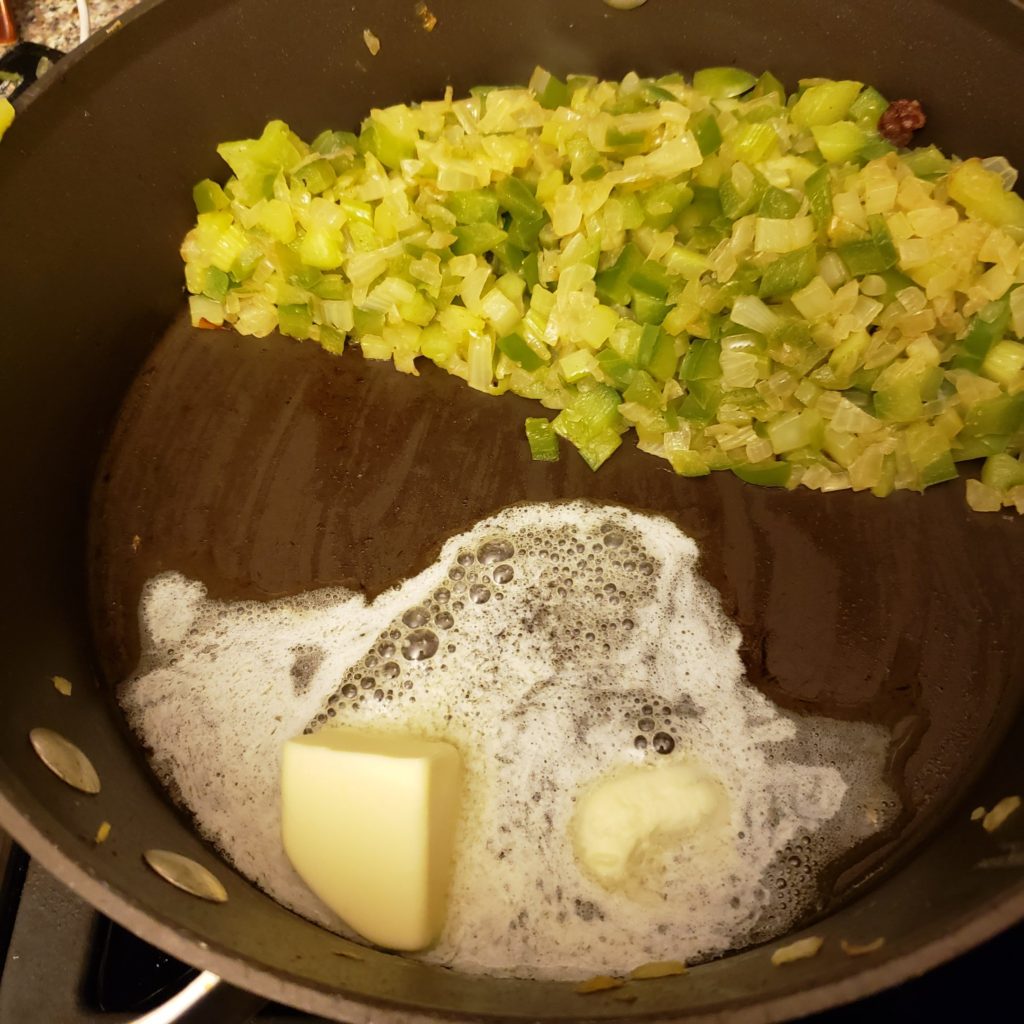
71 363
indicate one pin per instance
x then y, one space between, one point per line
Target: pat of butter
626 824
368 821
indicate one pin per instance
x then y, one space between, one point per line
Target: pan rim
976 925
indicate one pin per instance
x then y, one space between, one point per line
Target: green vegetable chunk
735 278
542 439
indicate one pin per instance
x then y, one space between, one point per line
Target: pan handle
207 999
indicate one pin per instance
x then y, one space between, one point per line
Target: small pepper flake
861 949
427 16
599 983
372 42
1002 810
102 832
62 686
657 969
978 813
802 949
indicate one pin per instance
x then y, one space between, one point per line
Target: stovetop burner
64 963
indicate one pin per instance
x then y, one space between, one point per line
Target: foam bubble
597 647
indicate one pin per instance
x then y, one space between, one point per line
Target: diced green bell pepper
475 239
209 196
295 321
987 326
706 131
519 352
543 440
723 83
771 473
789 272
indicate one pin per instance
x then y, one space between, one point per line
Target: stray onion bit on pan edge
102 832
861 949
978 813
657 969
372 42
1002 810
599 983
62 685
802 949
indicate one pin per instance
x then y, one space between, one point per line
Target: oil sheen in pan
554 644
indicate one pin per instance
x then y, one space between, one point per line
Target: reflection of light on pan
186 874
65 760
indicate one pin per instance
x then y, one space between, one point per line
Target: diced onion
747 284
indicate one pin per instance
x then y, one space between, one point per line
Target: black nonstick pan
904 611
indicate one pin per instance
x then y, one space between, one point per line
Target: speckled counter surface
55 22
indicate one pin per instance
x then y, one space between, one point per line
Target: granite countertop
55 22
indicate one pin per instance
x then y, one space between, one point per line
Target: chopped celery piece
824 104
542 439
723 83
389 147
209 196
983 194
317 176
750 282
1002 472
839 142
1002 415
769 85
1003 363
295 320
868 107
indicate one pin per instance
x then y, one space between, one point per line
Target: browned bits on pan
899 122
426 16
